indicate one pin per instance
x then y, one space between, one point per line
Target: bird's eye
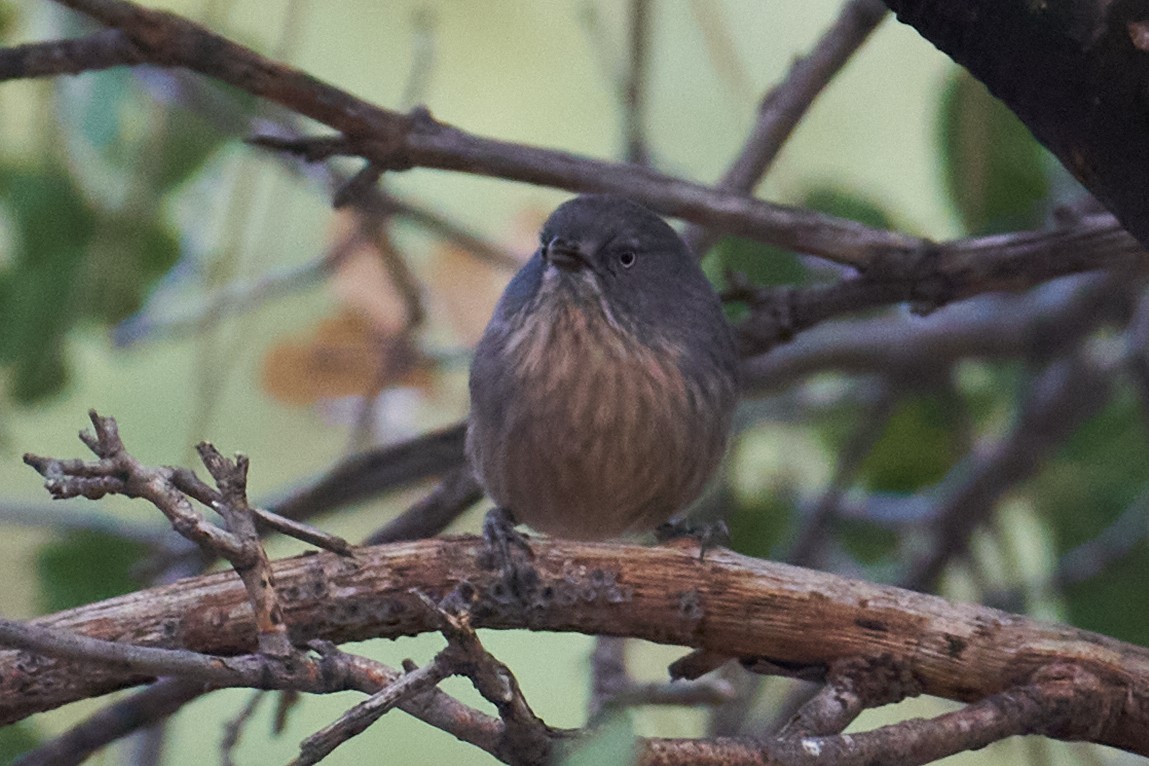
627 258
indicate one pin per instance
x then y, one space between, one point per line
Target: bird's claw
509 552
708 535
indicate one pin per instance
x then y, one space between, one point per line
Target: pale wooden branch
171 490
728 603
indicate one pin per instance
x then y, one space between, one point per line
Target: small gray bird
603 387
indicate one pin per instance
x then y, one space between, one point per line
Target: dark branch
784 106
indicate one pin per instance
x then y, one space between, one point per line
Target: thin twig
608 672
235 726
526 737
634 88
369 473
816 525
910 347
784 106
356 720
99 50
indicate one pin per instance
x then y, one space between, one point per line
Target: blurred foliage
1097 474
39 285
610 742
83 567
844 203
8 17
869 543
759 526
1115 602
1082 490
917 446
765 265
995 171
89 238
15 740
759 263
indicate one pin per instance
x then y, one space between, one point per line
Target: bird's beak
564 254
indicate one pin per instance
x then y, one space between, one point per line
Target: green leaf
847 204
1082 490
15 740
767 265
610 742
760 264
1096 475
186 143
82 567
150 149
53 225
760 525
995 171
916 448
126 259
867 542
96 107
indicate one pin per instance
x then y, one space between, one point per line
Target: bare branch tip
39 463
104 439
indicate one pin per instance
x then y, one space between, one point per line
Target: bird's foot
509 552
708 535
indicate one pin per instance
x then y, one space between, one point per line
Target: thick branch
1074 71
728 603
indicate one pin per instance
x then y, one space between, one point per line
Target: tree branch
662 594
785 105
895 267
1073 71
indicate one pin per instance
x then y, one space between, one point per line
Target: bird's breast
602 433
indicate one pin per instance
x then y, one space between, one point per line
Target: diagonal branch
895 267
394 141
785 105
104 49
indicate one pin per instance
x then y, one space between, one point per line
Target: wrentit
603 387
